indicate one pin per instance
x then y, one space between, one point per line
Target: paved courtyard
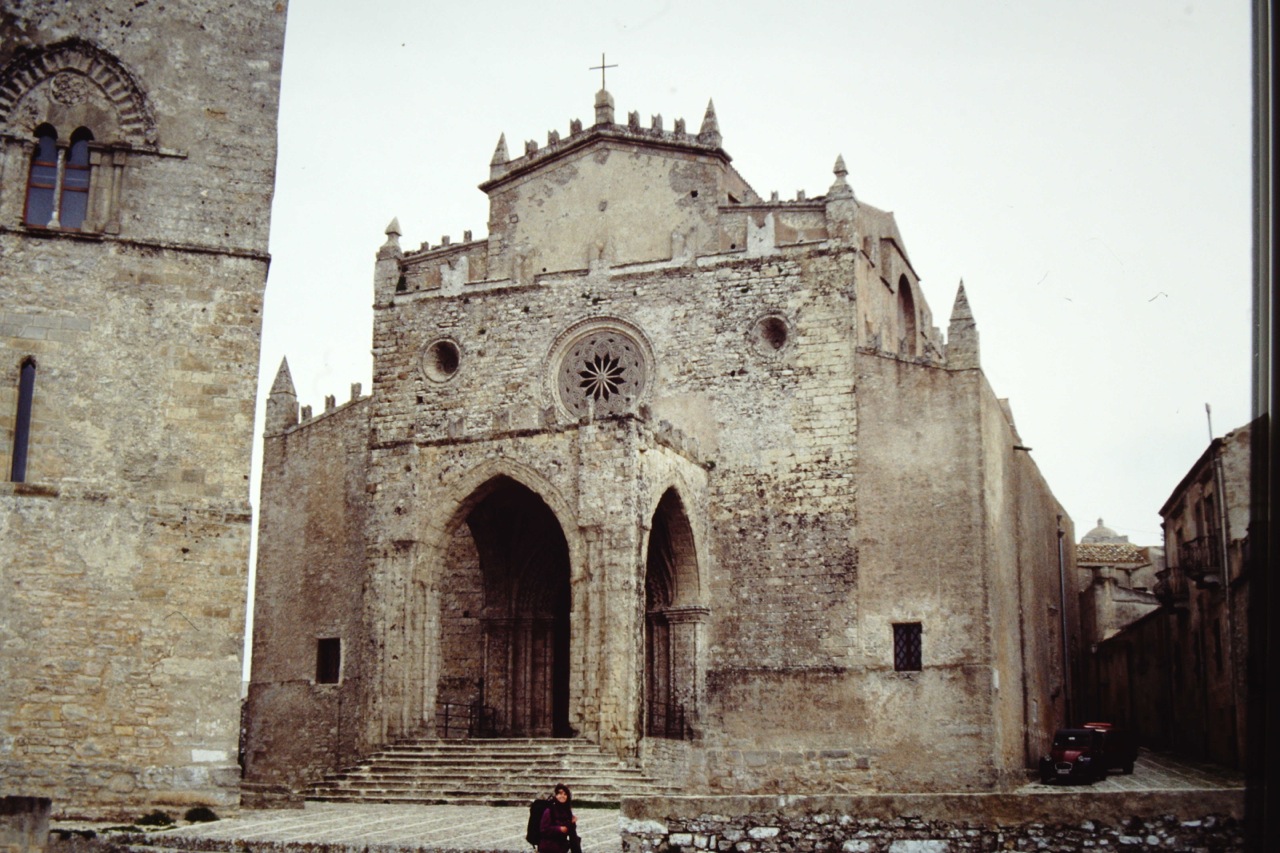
485 828
381 825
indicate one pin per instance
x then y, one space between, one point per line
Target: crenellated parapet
283 411
502 167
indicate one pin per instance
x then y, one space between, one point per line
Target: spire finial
710 131
282 402
961 310
393 235
284 381
962 335
840 188
500 157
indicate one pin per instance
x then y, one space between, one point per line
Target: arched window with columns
59 179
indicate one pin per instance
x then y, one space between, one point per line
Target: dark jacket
553 840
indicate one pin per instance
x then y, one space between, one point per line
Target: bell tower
135 193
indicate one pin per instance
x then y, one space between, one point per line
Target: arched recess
673 622
907 318
75 82
504 603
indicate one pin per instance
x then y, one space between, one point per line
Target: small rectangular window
906 647
328 660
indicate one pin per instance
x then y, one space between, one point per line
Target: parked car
1119 747
1076 756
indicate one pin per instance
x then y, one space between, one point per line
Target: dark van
1119 747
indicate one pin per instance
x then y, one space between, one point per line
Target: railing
464 720
1201 560
668 721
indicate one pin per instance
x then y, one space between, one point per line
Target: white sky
1083 165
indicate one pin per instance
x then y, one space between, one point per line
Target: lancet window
22 424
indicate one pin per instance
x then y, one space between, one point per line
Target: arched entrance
672 620
504 617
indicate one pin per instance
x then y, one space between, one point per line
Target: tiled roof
1111 554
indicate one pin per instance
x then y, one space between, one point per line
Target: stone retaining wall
949 823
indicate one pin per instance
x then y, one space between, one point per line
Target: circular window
603 370
770 334
440 360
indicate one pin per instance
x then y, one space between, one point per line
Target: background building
1177 675
1116 582
673 468
137 159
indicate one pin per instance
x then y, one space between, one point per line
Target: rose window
601 377
602 372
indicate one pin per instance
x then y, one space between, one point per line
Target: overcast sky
1083 166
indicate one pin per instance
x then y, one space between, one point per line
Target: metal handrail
465 720
667 720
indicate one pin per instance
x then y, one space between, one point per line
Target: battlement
283 413
706 141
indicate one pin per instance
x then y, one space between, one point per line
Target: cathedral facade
137 164
672 467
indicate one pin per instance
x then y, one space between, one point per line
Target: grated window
906 647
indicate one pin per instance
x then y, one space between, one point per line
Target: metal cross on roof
601 68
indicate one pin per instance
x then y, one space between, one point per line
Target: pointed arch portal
504 614
672 618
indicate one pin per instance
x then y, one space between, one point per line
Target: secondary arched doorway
672 620
504 616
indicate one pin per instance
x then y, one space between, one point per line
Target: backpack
534 831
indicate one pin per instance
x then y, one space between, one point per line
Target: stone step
506 771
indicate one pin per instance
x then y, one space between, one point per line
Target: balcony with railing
1201 561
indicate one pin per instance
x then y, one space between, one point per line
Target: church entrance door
515 655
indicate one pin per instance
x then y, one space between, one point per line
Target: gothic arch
75 82
466 489
499 575
673 616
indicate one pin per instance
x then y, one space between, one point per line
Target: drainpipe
1062 611
1224 538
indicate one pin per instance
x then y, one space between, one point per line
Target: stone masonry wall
922 823
125 546
310 586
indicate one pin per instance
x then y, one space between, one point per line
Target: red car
1076 756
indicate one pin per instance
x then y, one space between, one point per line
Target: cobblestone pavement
502 829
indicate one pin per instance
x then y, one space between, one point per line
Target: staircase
495 772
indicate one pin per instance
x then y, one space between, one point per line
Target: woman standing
559 833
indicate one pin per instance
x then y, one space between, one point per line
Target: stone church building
137 165
674 468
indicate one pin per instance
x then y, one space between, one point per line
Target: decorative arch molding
75 72
467 488
691 586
